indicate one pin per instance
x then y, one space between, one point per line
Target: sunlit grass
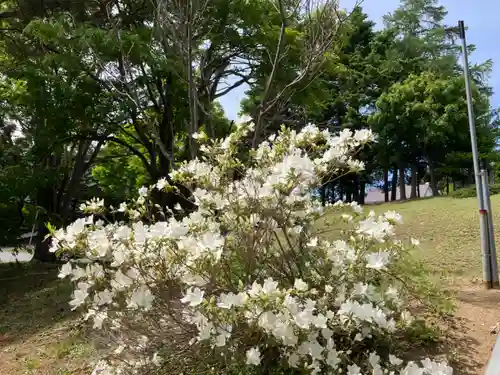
448 230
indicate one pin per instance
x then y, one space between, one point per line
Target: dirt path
471 338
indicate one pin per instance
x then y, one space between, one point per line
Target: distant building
376 195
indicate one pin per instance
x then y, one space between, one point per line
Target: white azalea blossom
193 297
300 285
378 260
246 274
253 357
66 270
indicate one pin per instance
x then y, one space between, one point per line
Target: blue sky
480 16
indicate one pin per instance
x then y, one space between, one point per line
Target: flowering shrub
246 281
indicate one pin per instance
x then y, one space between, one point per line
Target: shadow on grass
32 299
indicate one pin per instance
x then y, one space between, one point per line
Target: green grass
448 231
37 334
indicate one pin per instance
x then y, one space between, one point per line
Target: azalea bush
245 283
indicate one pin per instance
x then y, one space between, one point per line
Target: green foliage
470 191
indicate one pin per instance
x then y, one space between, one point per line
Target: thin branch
267 89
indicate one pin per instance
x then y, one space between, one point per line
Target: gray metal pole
492 251
483 224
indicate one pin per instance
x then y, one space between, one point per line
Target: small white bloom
328 288
157 360
161 183
395 360
143 191
313 242
394 216
193 296
226 301
66 270
79 297
415 242
141 297
122 207
300 285
353 370
103 298
378 260
270 286
253 357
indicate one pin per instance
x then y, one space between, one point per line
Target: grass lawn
38 336
448 230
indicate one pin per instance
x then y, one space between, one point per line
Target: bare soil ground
37 328
472 334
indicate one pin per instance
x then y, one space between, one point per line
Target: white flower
193 296
270 286
78 273
378 229
415 242
353 370
243 119
162 182
93 205
255 290
313 242
395 360
121 281
99 319
157 360
79 297
103 298
143 191
66 270
253 357
436 368
300 285
394 216
141 297
226 301
328 288
122 207
377 260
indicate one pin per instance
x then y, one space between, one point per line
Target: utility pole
489 257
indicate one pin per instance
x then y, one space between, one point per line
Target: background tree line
99 97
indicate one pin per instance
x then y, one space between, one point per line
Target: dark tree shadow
32 299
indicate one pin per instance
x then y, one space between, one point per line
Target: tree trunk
414 182
470 176
402 184
394 184
386 185
322 194
348 196
362 188
355 195
447 185
418 190
433 181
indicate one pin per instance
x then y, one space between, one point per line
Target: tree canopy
98 98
